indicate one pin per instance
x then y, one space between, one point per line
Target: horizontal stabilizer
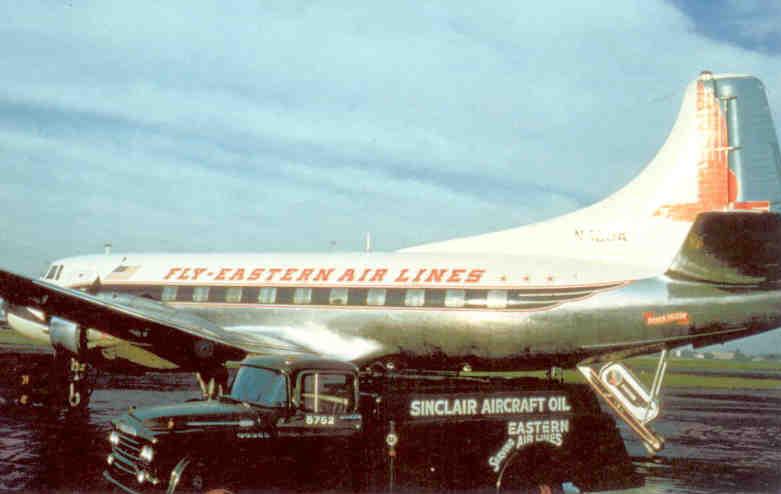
737 248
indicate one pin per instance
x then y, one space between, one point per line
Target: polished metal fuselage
640 317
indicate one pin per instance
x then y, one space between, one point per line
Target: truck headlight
113 438
141 476
147 453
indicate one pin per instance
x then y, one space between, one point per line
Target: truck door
324 423
325 405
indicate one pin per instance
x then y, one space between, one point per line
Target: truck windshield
260 386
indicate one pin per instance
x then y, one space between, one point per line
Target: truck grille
126 460
129 447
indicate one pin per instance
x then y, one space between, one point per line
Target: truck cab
281 413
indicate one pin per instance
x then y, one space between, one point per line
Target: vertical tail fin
721 154
739 165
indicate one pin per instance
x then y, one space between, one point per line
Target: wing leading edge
186 340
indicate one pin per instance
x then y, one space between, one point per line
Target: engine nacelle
68 335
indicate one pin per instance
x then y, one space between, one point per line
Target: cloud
750 24
286 126
291 125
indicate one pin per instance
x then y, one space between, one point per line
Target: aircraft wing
185 339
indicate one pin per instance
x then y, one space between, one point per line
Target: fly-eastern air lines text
325 275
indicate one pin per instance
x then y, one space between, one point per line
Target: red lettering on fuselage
255 274
475 276
324 274
171 272
379 275
455 275
314 275
348 275
436 275
402 277
419 275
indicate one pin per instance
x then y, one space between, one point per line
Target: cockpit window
52 271
59 272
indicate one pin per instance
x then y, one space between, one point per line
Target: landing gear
627 396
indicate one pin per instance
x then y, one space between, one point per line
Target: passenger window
201 294
394 297
184 294
302 296
267 295
320 296
357 296
475 298
169 293
415 297
338 296
496 299
285 295
435 298
455 298
376 296
327 393
233 294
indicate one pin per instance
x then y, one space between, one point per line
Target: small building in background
723 355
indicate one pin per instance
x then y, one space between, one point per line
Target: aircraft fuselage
431 311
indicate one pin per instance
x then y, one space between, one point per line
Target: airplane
685 254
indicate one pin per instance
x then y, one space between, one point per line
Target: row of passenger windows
392 297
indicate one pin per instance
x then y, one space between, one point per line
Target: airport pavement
717 440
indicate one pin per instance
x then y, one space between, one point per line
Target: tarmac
717 440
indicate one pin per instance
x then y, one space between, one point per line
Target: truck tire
525 473
194 478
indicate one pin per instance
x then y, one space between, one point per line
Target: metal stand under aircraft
61 383
628 397
79 389
213 381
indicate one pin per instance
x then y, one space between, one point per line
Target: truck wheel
524 472
193 478
544 489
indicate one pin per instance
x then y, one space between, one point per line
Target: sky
299 126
